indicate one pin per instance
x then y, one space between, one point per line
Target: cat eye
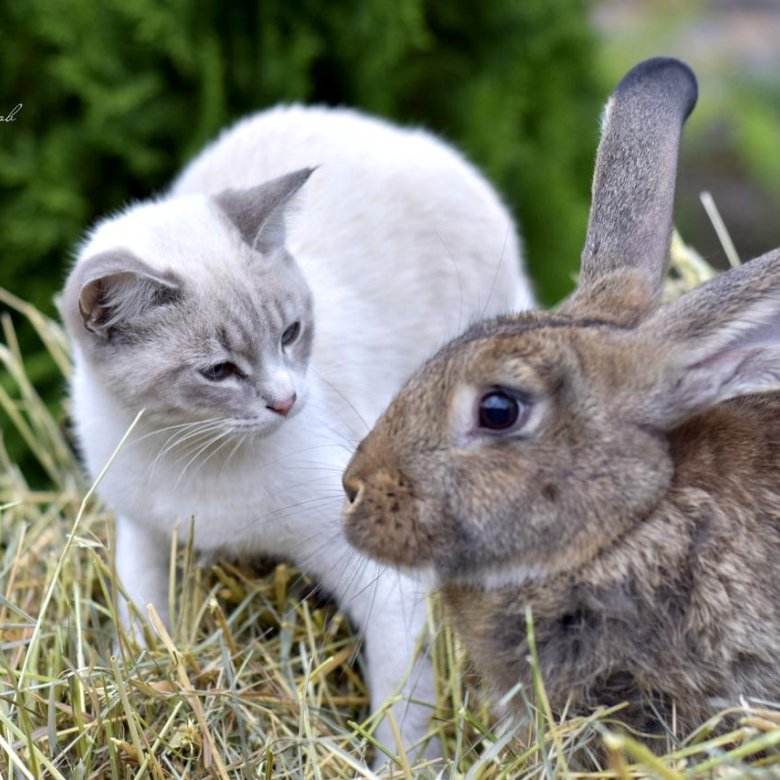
501 411
221 371
291 334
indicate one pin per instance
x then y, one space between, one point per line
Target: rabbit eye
221 371
499 411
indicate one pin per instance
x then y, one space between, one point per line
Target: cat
263 312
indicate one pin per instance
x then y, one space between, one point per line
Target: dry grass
258 679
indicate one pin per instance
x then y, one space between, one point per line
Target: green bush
118 95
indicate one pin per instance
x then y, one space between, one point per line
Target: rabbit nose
354 489
282 405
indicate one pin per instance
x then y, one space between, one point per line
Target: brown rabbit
612 464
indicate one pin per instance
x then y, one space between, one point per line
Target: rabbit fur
634 502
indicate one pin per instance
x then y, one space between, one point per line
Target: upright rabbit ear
630 224
259 212
719 341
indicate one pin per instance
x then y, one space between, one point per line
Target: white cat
259 368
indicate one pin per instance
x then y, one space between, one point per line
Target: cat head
193 309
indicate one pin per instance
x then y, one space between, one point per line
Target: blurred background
116 96
731 144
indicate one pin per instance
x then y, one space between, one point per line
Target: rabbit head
534 441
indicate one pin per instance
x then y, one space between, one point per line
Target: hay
258 677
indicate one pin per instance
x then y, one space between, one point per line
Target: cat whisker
166 428
309 467
334 493
237 446
460 280
316 502
371 584
183 439
325 420
179 437
193 430
239 443
202 464
358 571
318 587
343 398
315 553
287 455
347 556
496 273
332 439
203 448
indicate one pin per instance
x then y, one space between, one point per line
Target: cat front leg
391 614
142 563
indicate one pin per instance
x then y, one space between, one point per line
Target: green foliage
757 129
118 95
730 142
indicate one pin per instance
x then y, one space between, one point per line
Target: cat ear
114 288
258 212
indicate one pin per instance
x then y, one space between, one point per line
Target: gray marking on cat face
155 339
258 212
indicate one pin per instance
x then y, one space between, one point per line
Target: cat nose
282 405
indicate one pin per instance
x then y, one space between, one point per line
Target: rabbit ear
630 225
720 341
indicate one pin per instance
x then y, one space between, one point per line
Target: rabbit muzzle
383 514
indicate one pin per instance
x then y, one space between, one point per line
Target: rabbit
612 463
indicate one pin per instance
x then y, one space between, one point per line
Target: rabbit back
683 613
